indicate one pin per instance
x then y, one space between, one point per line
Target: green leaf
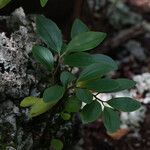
125 104
111 119
85 41
84 95
57 144
64 48
94 71
82 59
28 101
66 78
65 116
54 93
78 28
73 105
40 107
91 112
3 3
43 2
44 56
101 85
100 58
49 32
124 84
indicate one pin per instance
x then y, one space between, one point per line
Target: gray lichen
15 81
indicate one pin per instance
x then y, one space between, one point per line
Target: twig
95 96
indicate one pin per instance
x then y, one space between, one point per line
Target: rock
15 81
136 50
120 15
10 129
18 79
132 120
143 82
17 18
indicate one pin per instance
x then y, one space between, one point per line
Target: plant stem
95 96
56 70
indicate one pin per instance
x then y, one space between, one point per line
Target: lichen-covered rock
15 81
18 78
12 135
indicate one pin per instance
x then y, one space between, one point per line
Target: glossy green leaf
85 41
84 95
54 93
28 101
111 119
65 116
43 2
64 48
66 78
125 104
82 59
73 104
40 107
44 56
49 32
94 71
100 58
57 144
3 3
124 84
101 85
91 112
78 28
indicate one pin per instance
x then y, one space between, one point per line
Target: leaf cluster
78 89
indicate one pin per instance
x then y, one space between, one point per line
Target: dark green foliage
43 2
94 71
49 33
124 84
44 56
111 119
85 41
53 93
57 144
73 104
74 89
91 112
78 27
84 95
66 78
103 85
124 104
